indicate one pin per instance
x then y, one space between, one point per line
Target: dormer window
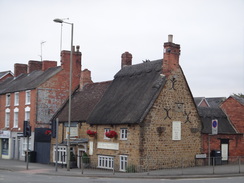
27 97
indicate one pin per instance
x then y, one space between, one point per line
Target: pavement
193 172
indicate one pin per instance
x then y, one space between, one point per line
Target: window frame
106 162
24 145
27 97
27 113
16 119
73 132
106 130
16 98
7 118
123 133
8 99
123 162
62 154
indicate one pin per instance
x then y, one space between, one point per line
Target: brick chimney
126 59
34 66
46 64
85 78
65 59
20 69
76 65
171 56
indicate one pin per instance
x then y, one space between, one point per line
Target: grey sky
210 32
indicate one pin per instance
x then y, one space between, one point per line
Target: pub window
123 133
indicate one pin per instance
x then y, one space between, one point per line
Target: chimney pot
126 59
170 38
85 78
77 48
171 56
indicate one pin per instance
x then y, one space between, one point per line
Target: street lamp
57 20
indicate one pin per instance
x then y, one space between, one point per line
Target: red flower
91 133
48 132
111 134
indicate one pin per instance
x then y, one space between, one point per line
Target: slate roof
215 101
212 102
207 114
130 95
82 102
27 81
198 100
3 73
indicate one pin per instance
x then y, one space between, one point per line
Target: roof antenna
42 42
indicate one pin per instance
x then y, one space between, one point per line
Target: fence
163 166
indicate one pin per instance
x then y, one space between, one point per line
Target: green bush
131 169
85 158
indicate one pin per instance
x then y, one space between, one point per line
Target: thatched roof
130 95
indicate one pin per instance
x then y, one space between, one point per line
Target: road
20 177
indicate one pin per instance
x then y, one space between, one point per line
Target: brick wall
22 105
236 143
6 76
234 110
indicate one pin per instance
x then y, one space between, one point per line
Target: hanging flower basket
48 132
91 133
111 134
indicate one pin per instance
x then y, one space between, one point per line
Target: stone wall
174 103
129 147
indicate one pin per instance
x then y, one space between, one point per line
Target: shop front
5 144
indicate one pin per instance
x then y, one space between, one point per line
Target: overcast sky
210 32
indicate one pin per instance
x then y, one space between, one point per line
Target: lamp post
57 20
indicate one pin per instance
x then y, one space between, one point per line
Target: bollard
213 164
182 166
82 168
239 161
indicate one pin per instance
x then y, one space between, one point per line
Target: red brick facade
235 112
7 75
45 98
213 142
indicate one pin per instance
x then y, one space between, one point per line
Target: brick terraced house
34 94
145 119
228 139
5 74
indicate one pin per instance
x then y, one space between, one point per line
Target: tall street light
57 20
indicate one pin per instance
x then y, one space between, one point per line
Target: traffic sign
214 126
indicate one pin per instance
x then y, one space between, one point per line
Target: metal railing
164 166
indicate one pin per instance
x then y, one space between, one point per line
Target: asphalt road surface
19 177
